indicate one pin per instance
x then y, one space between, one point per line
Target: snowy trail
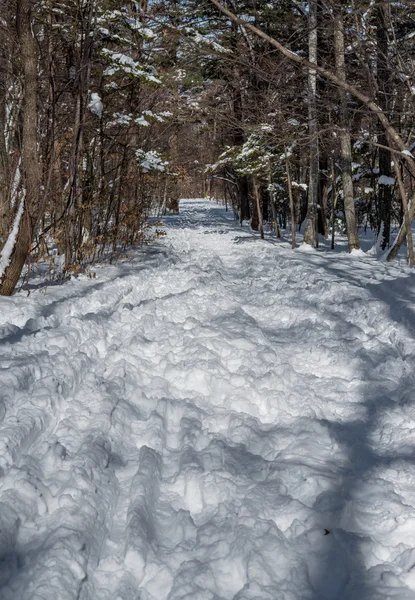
190 424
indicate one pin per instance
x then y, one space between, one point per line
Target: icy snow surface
216 418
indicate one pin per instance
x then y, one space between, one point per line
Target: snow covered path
191 424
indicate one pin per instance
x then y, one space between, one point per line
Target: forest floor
214 418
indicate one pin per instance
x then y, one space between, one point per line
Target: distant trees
371 79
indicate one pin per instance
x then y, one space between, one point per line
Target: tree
384 94
344 133
83 155
311 229
30 206
365 99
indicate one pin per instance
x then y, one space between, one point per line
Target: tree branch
305 63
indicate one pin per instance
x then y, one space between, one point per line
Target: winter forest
207 300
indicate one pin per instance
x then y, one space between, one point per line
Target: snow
16 183
151 161
357 253
307 248
142 122
7 250
192 422
302 186
385 180
123 62
95 105
122 119
136 25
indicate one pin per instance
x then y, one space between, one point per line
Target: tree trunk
310 233
333 202
258 207
30 159
407 222
400 238
4 168
385 162
5 175
290 196
274 217
73 216
345 139
245 213
265 203
238 133
323 194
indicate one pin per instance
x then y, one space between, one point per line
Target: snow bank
213 419
357 253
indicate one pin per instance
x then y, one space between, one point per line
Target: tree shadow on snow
348 569
344 566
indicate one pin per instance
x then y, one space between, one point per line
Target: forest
207 300
297 114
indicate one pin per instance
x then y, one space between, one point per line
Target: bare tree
345 139
30 158
311 228
391 131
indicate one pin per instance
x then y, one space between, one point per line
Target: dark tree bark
257 204
385 163
311 231
239 135
345 139
265 203
243 187
406 220
4 166
291 199
30 158
5 171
